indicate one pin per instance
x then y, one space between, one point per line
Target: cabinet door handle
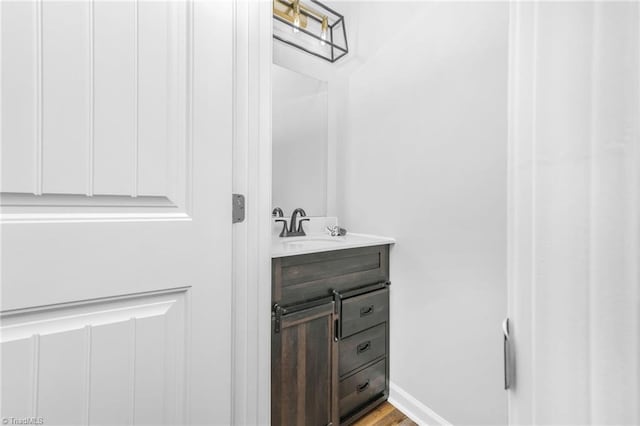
367 310
363 347
362 387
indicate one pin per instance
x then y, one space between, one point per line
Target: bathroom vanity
330 292
330 329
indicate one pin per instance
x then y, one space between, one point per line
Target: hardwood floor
385 415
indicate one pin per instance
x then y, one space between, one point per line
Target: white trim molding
251 303
414 409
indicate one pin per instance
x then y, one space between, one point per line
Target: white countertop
315 243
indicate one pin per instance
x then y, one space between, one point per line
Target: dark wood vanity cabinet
304 355
329 336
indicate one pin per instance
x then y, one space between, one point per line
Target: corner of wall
414 409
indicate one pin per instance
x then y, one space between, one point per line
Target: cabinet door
304 368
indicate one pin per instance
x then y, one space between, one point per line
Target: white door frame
251 292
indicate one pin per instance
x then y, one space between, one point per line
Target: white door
116 222
574 212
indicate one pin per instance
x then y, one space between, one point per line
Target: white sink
292 246
310 243
313 239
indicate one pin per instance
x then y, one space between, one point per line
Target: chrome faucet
294 231
277 212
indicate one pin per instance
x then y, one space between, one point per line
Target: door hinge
237 208
508 355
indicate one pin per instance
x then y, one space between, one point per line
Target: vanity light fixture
311 27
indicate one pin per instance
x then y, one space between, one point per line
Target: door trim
251 264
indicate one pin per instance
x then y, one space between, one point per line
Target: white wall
421 157
299 135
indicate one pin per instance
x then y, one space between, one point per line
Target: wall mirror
300 133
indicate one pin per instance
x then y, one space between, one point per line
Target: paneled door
116 221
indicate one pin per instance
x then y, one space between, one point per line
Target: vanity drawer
362 348
361 312
355 391
316 275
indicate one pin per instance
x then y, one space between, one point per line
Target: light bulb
296 23
325 31
296 16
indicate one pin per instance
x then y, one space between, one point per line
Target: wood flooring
385 415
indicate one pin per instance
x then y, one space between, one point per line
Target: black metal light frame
334 57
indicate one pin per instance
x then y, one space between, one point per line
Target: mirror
299 134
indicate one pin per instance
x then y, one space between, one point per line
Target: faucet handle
300 224
285 231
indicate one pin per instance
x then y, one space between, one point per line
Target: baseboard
414 409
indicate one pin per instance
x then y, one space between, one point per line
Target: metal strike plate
237 210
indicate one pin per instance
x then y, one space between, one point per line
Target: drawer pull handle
367 310
363 347
363 387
